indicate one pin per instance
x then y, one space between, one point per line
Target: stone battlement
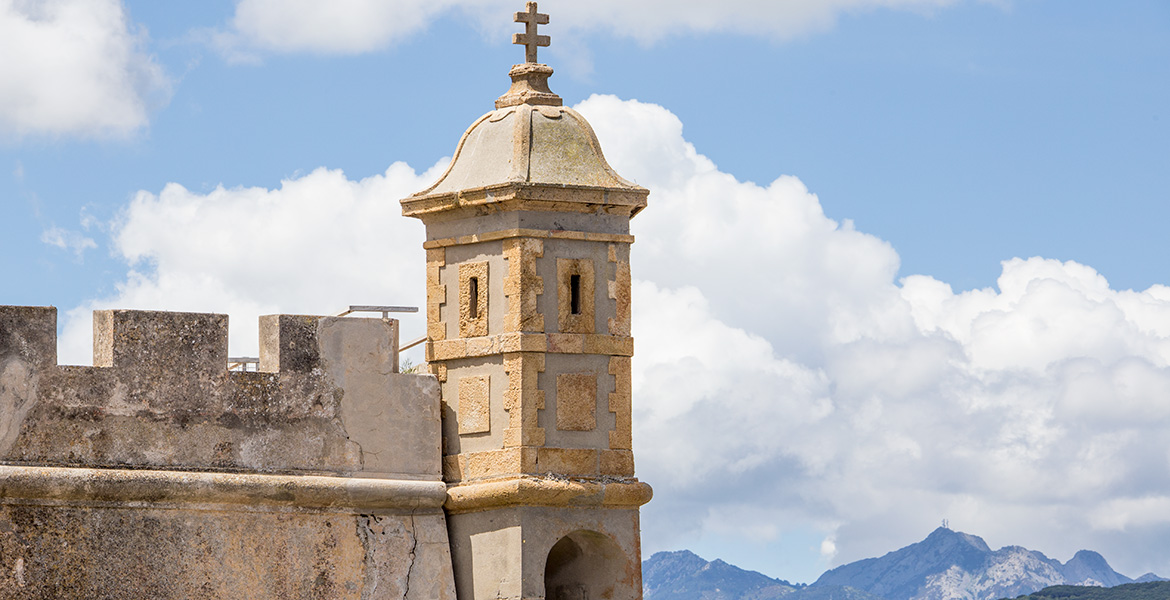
160 395
160 473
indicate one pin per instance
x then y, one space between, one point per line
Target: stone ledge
126 487
555 343
557 234
541 491
521 461
529 196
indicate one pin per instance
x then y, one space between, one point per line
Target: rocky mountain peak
683 575
944 537
951 564
1089 568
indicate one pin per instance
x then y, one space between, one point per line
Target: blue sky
879 152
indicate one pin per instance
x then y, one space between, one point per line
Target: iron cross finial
529 38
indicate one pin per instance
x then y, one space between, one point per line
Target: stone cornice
230 491
544 491
552 234
528 196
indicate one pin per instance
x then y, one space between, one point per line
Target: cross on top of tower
529 38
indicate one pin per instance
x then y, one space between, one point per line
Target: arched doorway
585 565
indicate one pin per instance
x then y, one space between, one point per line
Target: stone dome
531 144
528 144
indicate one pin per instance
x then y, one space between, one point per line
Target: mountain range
947 565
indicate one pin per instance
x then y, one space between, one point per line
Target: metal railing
413 343
242 363
249 363
385 310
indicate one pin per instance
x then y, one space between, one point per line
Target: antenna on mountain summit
946 524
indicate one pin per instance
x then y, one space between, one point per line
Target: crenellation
157 340
29 334
288 343
161 395
223 483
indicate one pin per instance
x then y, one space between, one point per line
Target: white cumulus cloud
354 26
784 374
316 245
74 67
340 26
782 363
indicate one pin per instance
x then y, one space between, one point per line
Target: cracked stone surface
328 402
55 552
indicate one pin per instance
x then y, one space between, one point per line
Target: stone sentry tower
528 320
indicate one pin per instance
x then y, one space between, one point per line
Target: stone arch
586 565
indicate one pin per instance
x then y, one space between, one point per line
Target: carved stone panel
475 404
576 401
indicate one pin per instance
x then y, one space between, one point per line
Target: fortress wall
158 473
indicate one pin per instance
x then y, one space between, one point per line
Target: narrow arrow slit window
575 294
473 297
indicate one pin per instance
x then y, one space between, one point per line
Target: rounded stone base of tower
547 553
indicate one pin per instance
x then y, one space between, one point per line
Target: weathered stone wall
158 473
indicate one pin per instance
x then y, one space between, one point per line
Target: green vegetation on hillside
1154 590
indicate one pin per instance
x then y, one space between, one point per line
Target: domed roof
530 148
531 144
